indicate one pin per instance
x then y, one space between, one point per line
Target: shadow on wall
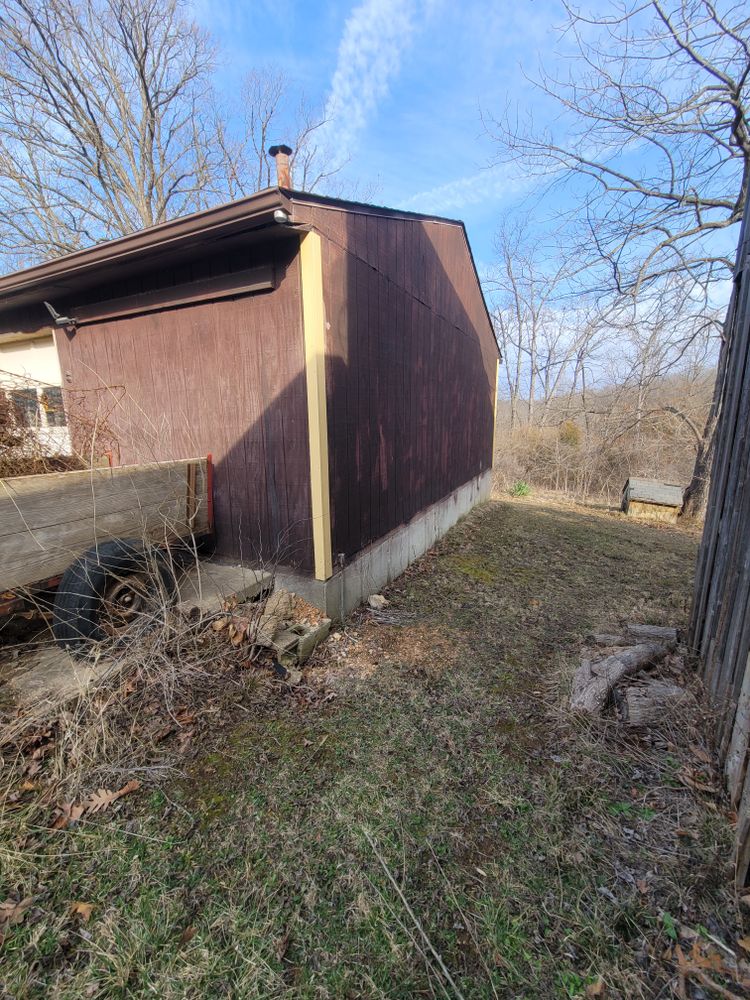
410 386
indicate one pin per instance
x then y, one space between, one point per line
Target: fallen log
653 633
608 639
594 680
653 703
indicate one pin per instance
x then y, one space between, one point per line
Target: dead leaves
66 813
237 632
102 798
82 911
595 989
187 935
695 779
12 912
98 801
701 957
17 798
255 624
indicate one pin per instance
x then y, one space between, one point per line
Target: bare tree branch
654 128
108 123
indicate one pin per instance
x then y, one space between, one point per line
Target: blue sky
405 82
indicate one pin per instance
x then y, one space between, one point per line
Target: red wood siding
410 370
225 377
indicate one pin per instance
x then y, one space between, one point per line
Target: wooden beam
247 282
314 324
494 413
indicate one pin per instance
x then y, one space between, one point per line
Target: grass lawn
421 819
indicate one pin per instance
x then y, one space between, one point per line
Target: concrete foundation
386 559
207 585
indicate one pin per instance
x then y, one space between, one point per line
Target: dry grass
440 827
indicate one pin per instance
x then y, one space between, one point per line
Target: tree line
650 148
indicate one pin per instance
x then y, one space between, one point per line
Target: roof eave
173 234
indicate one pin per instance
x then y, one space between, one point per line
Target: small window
26 406
52 401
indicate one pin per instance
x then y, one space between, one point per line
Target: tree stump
653 703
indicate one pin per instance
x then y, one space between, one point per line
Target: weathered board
720 618
47 521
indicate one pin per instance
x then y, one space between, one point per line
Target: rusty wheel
118 585
126 599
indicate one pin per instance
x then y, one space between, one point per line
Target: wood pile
610 659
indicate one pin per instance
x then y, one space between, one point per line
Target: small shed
336 359
652 498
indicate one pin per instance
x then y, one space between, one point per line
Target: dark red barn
336 359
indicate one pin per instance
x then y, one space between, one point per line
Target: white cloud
720 292
492 184
375 36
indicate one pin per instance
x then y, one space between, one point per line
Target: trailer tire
80 609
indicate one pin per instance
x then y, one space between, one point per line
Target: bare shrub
24 451
592 454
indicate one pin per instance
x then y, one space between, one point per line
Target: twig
465 919
695 973
410 934
420 929
315 752
391 617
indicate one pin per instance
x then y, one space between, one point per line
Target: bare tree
108 123
273 110
101 120
655 134
545 340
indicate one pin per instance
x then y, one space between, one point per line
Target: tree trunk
654 703
593 682
653 633
696 495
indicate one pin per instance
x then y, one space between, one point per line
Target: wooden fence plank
720 617
47 521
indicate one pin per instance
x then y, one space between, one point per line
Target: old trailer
96 548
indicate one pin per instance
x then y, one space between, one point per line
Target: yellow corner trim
494 412
314 325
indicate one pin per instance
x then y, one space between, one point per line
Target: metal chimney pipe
281 154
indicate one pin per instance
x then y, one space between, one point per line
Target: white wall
32 363
30 359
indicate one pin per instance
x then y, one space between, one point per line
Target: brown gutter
208 223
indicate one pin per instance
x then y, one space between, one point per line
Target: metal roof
653 491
